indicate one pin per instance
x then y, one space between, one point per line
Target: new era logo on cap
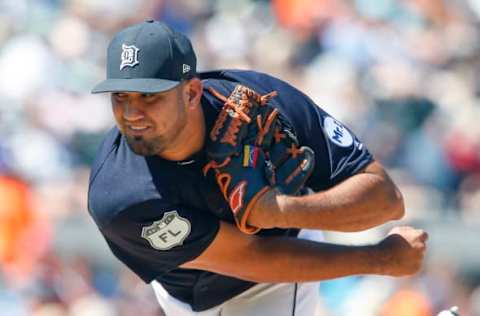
186 68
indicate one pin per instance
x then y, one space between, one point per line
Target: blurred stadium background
403 74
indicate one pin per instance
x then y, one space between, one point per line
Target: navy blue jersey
156 214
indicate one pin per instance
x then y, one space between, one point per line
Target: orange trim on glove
242 224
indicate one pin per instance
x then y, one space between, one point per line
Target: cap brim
135 85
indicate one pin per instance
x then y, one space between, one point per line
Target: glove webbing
239 112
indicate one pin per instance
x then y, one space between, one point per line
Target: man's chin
141 151
141 147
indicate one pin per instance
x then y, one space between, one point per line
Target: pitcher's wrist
266 212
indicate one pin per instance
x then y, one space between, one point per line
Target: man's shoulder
225 80
119 180
255 80
232 74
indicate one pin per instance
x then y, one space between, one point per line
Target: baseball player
200 187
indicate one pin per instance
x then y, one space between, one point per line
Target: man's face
150 122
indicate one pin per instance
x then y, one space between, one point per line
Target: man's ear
194 90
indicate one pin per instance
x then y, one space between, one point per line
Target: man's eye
119 95
149 96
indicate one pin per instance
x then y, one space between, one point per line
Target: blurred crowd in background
402 74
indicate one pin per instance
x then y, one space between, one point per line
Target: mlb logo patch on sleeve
168 232
337 133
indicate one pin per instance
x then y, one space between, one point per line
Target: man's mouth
137 129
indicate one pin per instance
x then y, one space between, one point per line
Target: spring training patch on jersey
168 232
129 56
337 133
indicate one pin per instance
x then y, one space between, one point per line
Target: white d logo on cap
129 56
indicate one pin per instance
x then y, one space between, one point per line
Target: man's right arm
286 259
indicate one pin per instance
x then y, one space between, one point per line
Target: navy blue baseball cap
148 57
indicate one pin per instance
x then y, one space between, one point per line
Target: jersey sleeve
153 237
345 154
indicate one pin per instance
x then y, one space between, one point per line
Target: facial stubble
159 143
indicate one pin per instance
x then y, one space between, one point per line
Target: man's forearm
363 201
296 260
287 259
356 204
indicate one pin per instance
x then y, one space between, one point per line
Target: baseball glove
251 149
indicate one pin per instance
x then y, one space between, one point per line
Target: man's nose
132 111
